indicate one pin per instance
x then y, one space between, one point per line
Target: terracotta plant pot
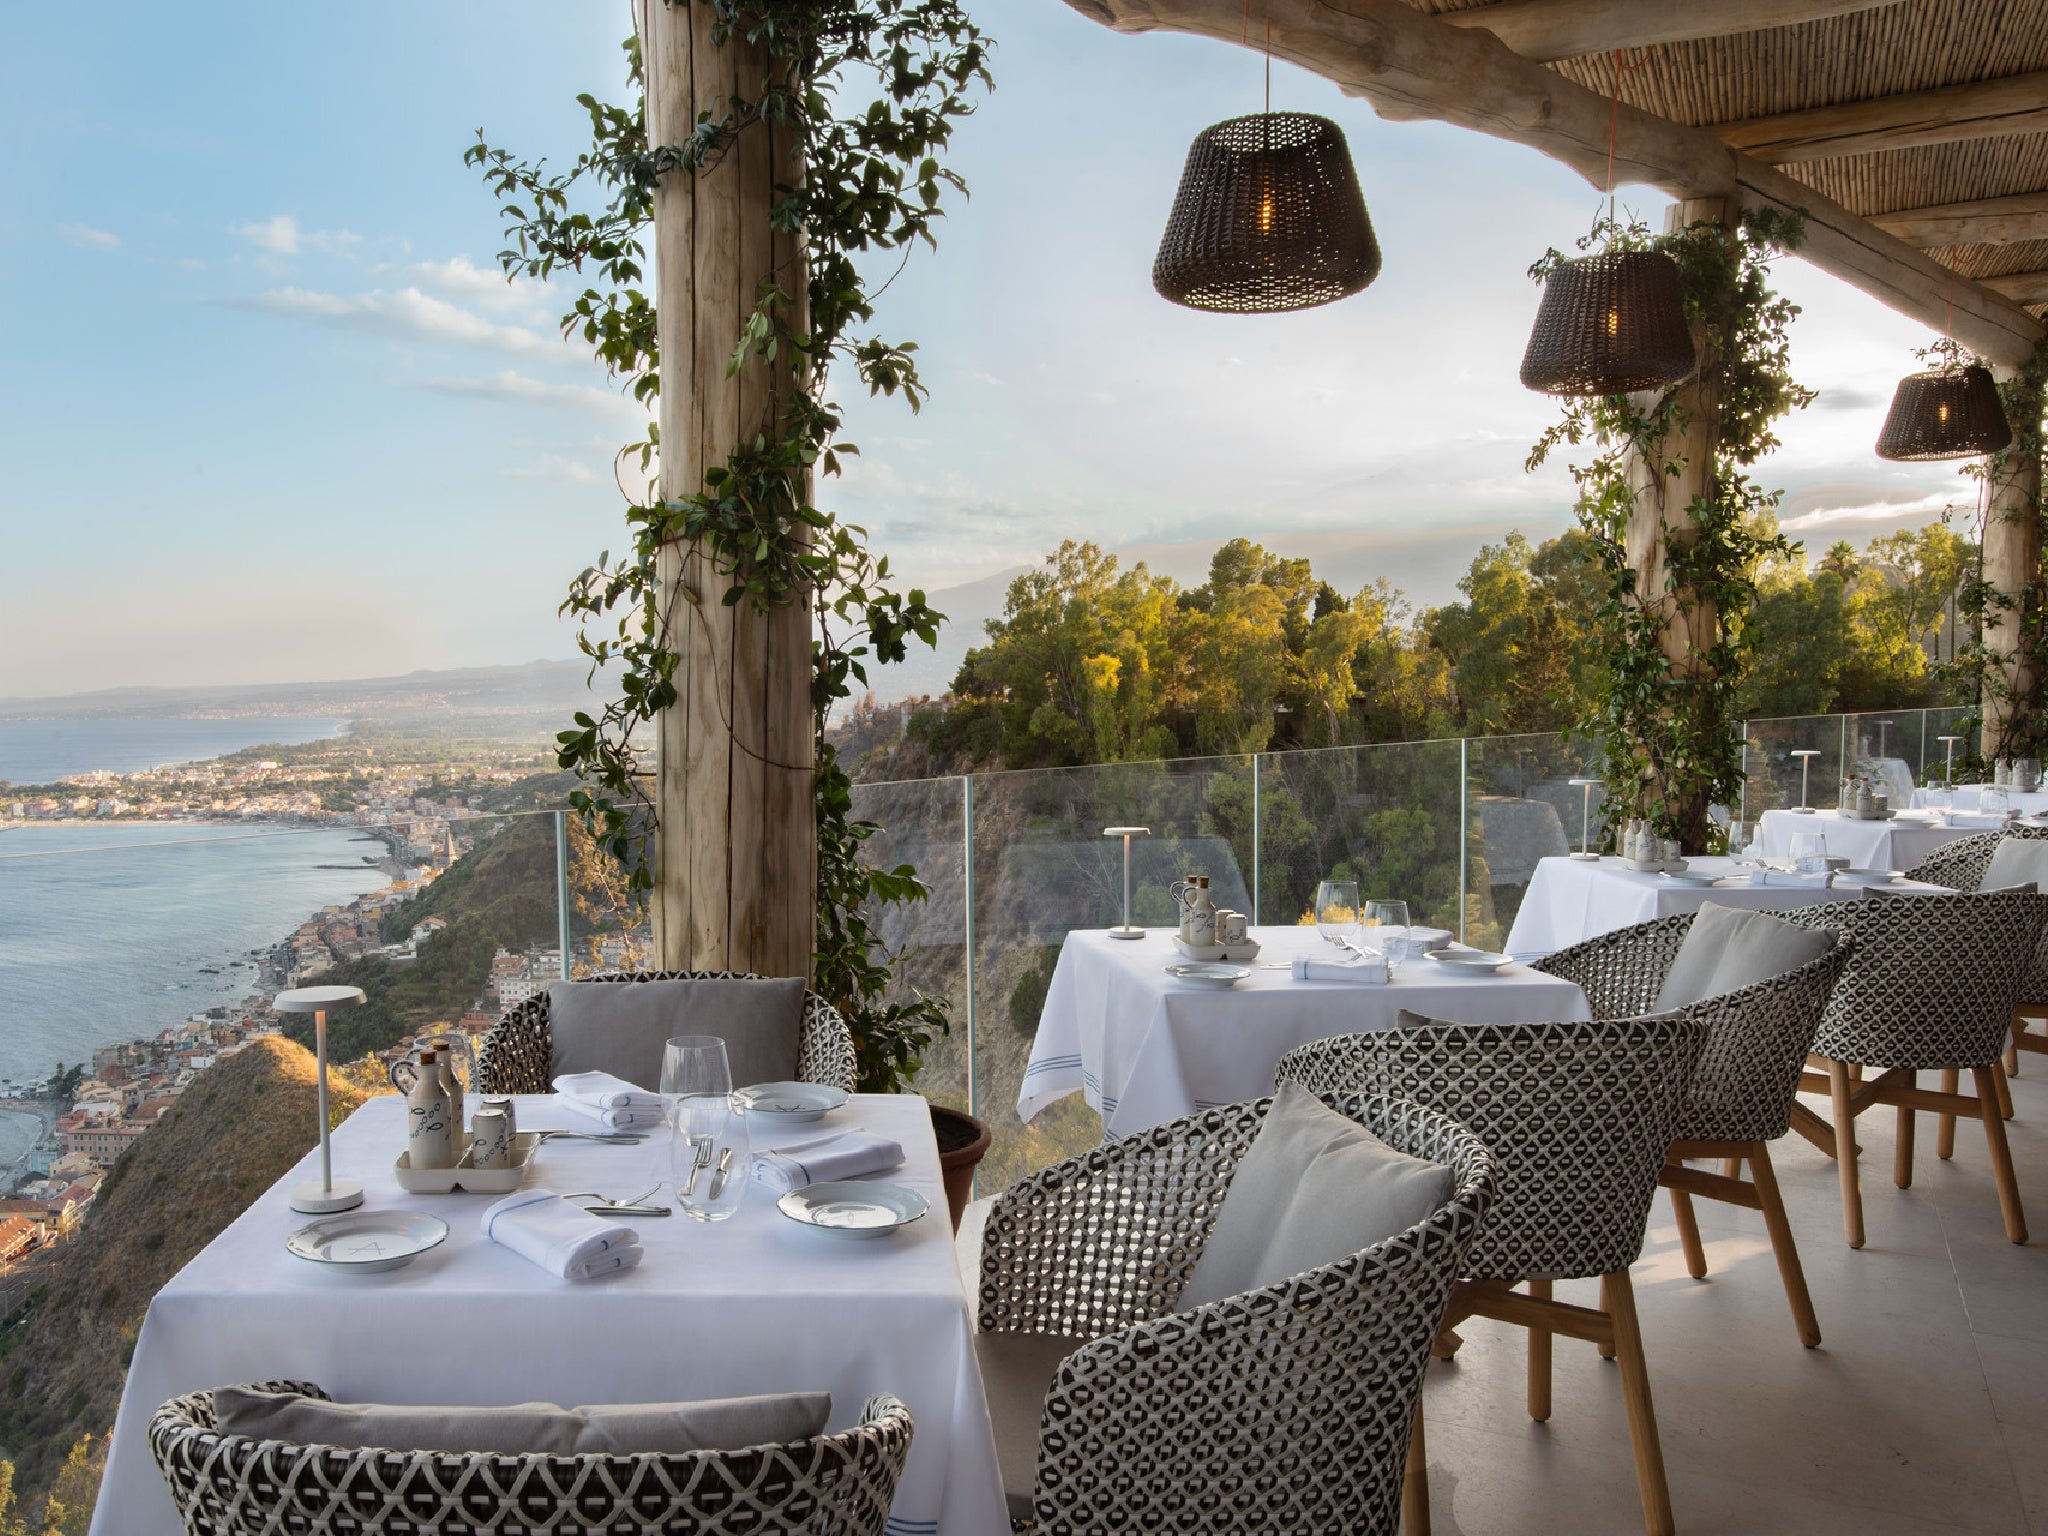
963 1142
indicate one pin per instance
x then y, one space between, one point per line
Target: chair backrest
1933 979
1321 1372
1757 1038
1961 865
1579 1116
226 1485
515 1055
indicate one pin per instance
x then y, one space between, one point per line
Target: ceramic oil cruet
429 1118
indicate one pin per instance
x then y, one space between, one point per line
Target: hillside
241 1125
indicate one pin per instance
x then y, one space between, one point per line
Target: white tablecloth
1146 1048
1893 844
752 1304
1569 900
1969 797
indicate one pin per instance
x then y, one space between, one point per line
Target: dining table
1144 1047
1898 843
1970 797
754 1304
1569 900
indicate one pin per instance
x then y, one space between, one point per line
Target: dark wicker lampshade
1954 415
1609 324
1268 217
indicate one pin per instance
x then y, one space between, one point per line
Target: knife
719 1174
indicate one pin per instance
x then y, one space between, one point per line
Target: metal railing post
1842 773
967 929
1257 820
1464 831
1742 784
562 889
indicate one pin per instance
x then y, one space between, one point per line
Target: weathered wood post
2012 559
736 853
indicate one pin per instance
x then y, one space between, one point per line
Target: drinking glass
1337 909
695 1078
1809 853
711 1158
1742 845
1386 930
1995 801
1940 800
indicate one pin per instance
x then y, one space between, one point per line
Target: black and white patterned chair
1961 866
230 1485
1285 1408
1747 1085
1930 987
1580 1117
515 1056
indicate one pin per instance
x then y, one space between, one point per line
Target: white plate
854 1207
1868 876
365 1242
1690 877
1208 973
1471 959
790 1103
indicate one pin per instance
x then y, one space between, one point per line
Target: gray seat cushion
1314 1187
623 1429
1016 1370
620 1027
1727 949
2017 861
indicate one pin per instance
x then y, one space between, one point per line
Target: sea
113 931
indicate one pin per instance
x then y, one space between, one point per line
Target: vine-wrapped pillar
736 851
2012 568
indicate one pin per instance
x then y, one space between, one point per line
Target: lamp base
312 1200
1802 810
1587 858
1120 931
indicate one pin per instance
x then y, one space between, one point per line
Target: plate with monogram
790 1103
854 1207
1207 973
367 1242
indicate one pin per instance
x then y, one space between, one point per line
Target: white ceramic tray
1656 866
463 1179
1235 953
1885 815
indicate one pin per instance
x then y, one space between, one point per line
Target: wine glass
1809 853
1337 909
1940 800
1742 845
696 1080
1386 929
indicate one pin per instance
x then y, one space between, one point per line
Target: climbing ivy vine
1666 727
867 94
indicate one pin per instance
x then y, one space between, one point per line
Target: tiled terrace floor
1924 1410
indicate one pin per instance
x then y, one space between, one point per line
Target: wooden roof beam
1567 29
1409 65
1985 221
2021 287
1985 110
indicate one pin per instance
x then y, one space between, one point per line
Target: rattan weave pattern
516 1055
1268 217
230 1485
1286 1408
1961 865
1944 416
1579 1115
1933 979
1757 1038
1609 323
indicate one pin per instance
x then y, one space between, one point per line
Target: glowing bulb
1614 322
1941 412
1266 214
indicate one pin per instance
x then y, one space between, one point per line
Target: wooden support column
736 853
2012 558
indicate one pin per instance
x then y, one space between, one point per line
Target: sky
269 411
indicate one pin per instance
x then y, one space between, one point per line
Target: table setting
1899 840
699 1251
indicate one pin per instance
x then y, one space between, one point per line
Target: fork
609 1138
700 1159
609 1207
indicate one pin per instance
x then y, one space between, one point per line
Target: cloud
1848 399
513 388
484 287
405 314
552 466
280 235
86 238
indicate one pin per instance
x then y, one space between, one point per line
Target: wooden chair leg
1902 1151
1845 1153
1539 1360
1415 1483
2002 1080
1731 1167
2001 1157
1790 1271
1689 1234
2012 1044
1642 1414
1606 1305
1945 1125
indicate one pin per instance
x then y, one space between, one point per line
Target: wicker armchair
1931 986
230 1485
1742 1097
1285 1408
1580 1117
515 1056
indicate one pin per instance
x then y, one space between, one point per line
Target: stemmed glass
1337 909
1386 929
696 1085
1742 846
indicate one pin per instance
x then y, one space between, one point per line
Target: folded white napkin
1792 880
600 1090
842 1155
1984 819
1369 970
614 1119
539 1225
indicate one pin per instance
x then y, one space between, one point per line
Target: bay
43 751
114 932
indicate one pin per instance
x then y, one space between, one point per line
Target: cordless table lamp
1586 852
1949 777
330 1194
1125 930
1805 763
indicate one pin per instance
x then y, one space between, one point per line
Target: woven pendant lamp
1609 324
1945 414
1268 218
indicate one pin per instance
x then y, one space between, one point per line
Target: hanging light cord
1613 122
1244 39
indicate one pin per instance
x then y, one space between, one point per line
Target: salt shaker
504 1104
429 1119
490 1140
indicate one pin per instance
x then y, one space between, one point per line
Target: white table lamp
330 1194
1805 765
1125 930
1586 852
1949 777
